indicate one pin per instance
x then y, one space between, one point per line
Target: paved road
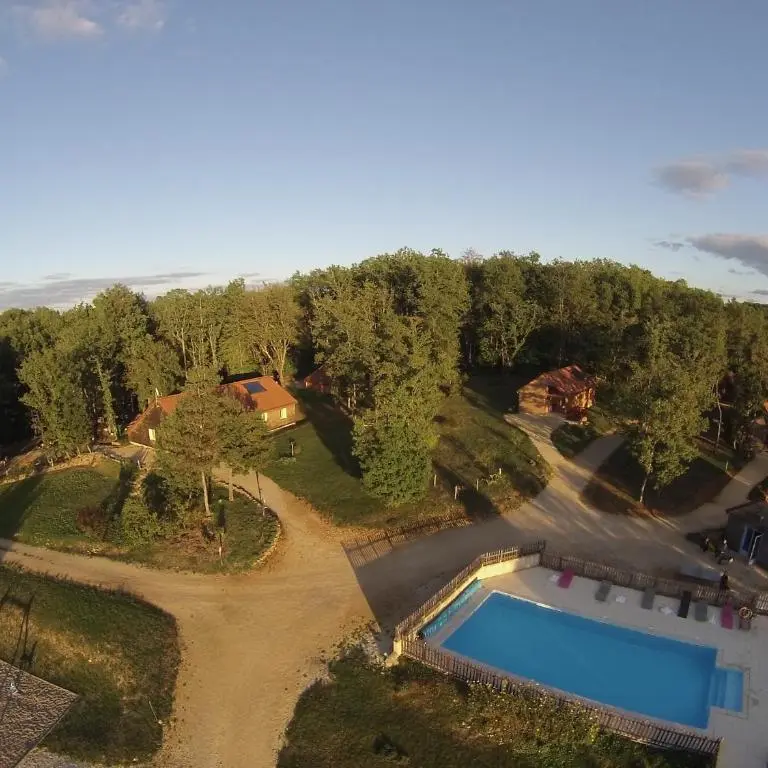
251 643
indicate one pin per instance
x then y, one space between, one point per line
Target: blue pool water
646 674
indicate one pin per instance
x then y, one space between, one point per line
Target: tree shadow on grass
333 427
113 504
494 390
477 506
16 501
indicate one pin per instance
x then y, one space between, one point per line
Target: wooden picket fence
363 549
642 731
411 623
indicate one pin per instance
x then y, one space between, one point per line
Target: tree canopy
395 333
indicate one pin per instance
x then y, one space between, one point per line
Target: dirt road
250 643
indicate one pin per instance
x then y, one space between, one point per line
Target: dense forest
395 333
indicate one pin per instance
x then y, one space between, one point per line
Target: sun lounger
602 591
700 612
566 577
648 597
726 616
685 605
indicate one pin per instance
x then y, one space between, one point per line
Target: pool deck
745 744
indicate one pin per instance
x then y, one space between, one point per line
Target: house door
750 544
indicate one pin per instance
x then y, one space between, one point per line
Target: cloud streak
670 245
749 250
700 177
62 290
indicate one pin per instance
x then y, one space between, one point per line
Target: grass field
117 653
475 442
366 717
615 486
43 510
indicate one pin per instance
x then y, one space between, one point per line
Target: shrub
139 524
93 520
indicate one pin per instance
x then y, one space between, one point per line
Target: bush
93 520
140 526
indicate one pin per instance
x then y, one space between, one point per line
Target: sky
167 143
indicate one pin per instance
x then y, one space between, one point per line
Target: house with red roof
276 405
568 390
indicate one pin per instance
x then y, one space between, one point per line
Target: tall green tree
394 449
269 320
505 316
663 400
55 395
245 444
189 440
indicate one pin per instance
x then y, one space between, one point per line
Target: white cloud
702 176
57 19
3 67
143 15
88 19
749 250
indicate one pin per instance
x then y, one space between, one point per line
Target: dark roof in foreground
29 709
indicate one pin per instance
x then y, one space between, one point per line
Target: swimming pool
646 674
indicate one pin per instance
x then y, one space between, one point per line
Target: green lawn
43 510
616 485
572 439
367 717
118 654
475 442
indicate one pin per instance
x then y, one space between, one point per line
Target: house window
152 435
265 415
283 413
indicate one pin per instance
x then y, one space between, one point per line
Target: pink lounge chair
566 577
726 616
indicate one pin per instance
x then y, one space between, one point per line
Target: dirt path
251 643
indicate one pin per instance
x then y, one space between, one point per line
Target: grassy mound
80 510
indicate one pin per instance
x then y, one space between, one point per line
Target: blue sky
186 142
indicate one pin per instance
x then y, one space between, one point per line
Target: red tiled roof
273 396
567 381
318 378
168 403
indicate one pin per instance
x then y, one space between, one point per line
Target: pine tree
189 439
245 445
